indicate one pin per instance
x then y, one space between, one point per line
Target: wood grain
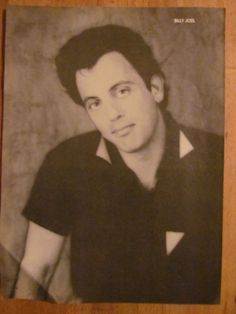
228 300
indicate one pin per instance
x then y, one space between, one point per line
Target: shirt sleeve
48 204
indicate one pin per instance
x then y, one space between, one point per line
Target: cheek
144 99
144 109
99 121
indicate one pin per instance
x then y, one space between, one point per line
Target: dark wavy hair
83 51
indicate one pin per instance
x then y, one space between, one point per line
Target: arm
42 251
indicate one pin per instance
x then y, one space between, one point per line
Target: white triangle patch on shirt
172 239
185 147
102 151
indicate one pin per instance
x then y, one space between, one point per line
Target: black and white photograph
113 155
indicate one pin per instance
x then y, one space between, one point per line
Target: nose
114 112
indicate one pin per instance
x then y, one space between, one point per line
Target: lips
123 131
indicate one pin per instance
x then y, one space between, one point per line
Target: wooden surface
228 299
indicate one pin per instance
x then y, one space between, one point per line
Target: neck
146 161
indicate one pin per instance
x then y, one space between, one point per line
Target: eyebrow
113 87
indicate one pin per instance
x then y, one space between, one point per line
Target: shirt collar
102 151
185 146
176 141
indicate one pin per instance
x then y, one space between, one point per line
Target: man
141 197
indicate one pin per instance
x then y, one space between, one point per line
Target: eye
92 104
122 91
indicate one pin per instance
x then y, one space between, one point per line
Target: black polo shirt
129 244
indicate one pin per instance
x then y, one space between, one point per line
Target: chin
130 145
129 149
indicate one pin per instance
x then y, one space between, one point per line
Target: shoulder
203 142
86 141
203 139
207 156
207 146
70 151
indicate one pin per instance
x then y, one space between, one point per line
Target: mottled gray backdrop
38 114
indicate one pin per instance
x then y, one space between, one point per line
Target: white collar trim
185 147
102 151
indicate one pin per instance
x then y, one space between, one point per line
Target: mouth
123 131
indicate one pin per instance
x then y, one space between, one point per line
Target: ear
157 88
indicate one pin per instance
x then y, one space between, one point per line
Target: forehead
108 71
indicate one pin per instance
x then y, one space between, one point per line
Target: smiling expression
119 103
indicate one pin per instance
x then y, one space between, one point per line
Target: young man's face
118 102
